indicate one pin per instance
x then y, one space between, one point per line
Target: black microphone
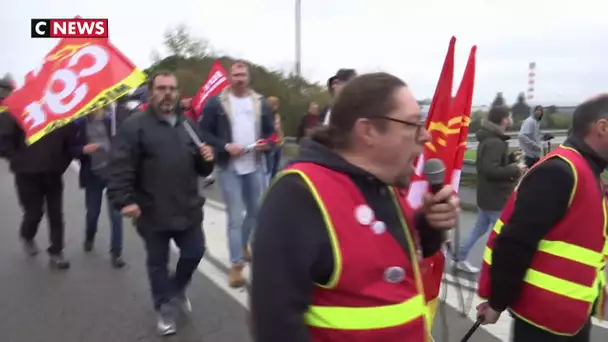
434 172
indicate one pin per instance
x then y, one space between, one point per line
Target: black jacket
292 249
496 171
542 201
156 166
51 154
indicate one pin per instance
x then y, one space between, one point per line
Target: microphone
434 172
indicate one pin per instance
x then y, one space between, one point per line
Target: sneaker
466 266
183 302
58 262
118 262
88 246
165 320
30 247
235 276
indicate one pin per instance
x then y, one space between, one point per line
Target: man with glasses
153 178
337 247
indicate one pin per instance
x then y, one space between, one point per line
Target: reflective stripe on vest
349 318
568 251
358 318
560 286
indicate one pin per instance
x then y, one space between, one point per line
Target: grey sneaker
466 266
30 247
183 302
165 320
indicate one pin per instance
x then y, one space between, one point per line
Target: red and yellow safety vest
375 293
566 276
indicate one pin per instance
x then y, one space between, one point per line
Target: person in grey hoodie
497 173
529 137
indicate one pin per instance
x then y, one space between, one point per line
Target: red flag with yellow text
444 131
78 76
462 104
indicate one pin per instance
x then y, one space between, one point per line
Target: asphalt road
94 303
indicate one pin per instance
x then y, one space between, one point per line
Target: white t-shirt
243 132
326 119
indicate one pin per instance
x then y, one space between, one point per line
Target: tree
499 101
179 42
520 110
190 59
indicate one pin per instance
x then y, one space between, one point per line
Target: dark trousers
191 243
34 191
524 332
275 160
93 198
530 161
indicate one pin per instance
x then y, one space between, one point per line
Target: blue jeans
240 193
485 221
93 198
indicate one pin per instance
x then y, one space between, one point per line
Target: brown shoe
235 276
246 254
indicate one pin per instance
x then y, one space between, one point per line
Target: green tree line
191 58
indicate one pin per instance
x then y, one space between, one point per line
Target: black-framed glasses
418 125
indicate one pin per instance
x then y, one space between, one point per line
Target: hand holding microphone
441 206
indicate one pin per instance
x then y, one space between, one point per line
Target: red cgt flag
214 84
78 76
463 102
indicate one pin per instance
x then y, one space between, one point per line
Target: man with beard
153 178
529 137
38 170
237 123
337 247
334 85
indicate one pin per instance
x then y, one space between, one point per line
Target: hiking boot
235 276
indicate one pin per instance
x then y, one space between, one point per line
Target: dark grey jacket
156 166
497 172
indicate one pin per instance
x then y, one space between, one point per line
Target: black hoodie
292 250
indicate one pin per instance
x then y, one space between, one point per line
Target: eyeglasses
418 125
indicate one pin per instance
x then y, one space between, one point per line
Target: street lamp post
298 38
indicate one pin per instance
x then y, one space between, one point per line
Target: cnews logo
70 28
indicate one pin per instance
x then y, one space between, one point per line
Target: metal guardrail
471 137
468 165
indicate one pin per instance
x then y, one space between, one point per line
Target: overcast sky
567 39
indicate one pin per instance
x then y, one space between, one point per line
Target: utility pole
298 38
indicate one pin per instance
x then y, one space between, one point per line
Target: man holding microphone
337 249
545 258
155 163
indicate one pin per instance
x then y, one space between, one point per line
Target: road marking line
218 275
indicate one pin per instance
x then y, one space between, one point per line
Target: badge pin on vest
394 274
378 227
364 214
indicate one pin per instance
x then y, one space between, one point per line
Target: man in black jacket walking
497 172
38 170
153 178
